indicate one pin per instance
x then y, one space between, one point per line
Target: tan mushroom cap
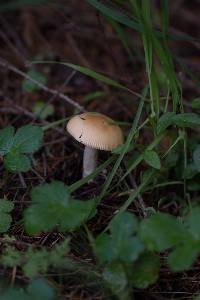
96 131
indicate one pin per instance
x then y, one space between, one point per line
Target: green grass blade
125 149
125 20
134 194
89 73
73 187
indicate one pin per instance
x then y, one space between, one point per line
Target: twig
70 101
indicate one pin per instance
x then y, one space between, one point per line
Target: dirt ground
72 31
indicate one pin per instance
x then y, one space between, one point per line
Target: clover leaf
15 147
121 244
52 205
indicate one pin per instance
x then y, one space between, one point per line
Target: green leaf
15 162
33 262
162 231
146 270
193 222
6 139
196 103
183 256
36 262
38 289
165 121
122 245
11 257
28 139
30 86
42 110
115 277
193 185
76 214
14 294
172 158
123 225
152 159
104 248
190 171
196 158
53 206
189 120
5 218
57 256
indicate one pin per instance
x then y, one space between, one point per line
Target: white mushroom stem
89 160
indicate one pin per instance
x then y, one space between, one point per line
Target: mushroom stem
89 160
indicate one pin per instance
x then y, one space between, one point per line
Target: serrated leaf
115 277
36 262
189 120
30 86
6 139
42 110
77 213
104 248
165 121
28 139
146 270
53 206
5 218
121 245
128 249
183 256
57 256
6 206
123 225
15 162
5 222
161 231
152 159
11 257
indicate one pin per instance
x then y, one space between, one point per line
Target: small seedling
15 146
29 86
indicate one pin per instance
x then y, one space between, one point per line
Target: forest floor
75 32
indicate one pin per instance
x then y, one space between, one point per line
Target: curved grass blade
125 20
73 187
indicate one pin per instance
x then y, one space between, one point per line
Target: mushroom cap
95 130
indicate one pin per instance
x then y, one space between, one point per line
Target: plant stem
89 160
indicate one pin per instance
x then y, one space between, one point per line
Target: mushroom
97 132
